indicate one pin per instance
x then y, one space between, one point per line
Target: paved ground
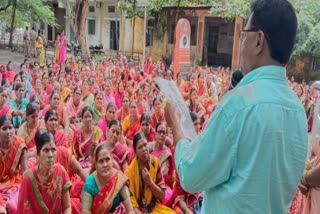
17 58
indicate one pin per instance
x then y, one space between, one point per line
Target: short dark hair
278 20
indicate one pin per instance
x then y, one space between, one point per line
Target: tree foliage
133 8
308 36
28 11
230 8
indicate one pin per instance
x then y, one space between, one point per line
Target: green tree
20 13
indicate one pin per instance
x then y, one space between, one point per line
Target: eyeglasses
161 132
242 33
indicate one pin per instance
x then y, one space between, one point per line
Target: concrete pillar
236 42
200 37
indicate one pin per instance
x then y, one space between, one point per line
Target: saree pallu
131 129
28 135
120 154
164 155
57 49
72 110
81 147
103 202
96 114
136 187
156 119
2 207
61 139
35 197
65 94
10 174
6 110
103 126
120 115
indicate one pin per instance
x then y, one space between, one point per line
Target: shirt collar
265 72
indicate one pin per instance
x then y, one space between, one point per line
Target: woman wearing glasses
158 149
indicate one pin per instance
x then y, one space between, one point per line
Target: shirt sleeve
198 162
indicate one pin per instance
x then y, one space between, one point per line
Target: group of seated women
43 170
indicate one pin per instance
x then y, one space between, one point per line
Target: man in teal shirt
251 156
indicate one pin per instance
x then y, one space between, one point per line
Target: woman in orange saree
51 119
13 161
119 151
29 128
45 187
75 105
106 188
146 182
62 113
158 115
131 124
84 137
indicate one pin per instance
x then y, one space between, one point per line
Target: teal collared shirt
251 155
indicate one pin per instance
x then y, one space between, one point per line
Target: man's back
266 125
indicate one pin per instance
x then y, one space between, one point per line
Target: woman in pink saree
84 137
4 108
104 121
163 153
63 48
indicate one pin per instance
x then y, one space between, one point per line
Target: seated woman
13 161
131 124
18 105
87 96
39 92
145 177
54 104
158 114
104 121
196 121
158 149
193 103
51 119
84 137
119 150
105 188
146 127
4 108
75 104
123 111
29 128
45 187
98 107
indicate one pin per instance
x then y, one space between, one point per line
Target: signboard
181 57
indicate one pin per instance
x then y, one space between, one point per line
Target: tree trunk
81 27
14 8
134 23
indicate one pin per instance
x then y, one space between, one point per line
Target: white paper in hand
171 92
